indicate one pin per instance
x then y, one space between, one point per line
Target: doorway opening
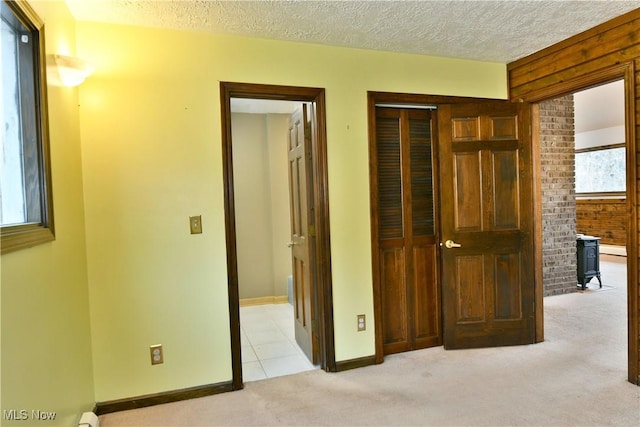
260 130
319 277
584 215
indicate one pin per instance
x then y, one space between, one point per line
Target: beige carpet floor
577 377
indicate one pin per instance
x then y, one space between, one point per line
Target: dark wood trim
323 237
102 408
632 117
601 148
323 288
569 87
537 223
360 362
372 99
230 233
400 99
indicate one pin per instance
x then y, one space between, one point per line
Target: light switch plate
195 222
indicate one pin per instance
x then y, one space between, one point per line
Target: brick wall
605 218
557 145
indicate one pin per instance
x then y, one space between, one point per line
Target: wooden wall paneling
608 52
605 218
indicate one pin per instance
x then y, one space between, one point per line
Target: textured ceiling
500 31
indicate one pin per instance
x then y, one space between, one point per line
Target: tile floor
268 340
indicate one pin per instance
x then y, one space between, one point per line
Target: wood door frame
399 99
323 294
626 72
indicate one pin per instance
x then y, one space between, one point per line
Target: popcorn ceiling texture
495 31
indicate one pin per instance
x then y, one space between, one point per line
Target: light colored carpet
577 377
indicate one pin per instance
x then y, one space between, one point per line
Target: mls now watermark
24 415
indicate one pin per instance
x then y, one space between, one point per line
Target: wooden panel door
406 240
301 246
486 224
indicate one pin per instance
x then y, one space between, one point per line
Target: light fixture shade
67 70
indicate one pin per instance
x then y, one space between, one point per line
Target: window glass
601 171
26 215
11 178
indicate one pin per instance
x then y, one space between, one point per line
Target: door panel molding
321 245
488 298
400 99
467 210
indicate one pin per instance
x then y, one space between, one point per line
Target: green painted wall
151 151
46 342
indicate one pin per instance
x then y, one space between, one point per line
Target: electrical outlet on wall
156 354
362 323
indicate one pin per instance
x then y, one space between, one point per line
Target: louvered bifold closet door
407 273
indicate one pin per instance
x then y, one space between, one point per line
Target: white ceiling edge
600 137
263 106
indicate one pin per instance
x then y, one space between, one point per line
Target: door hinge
314 325
311 231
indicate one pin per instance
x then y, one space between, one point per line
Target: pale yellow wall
46 344
151 139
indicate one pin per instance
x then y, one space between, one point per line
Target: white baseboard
89 419
613 250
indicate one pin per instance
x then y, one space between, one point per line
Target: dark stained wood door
486 209
301 216
406 229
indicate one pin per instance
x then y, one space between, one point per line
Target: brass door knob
451 244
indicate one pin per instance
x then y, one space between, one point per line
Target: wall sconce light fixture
65 70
